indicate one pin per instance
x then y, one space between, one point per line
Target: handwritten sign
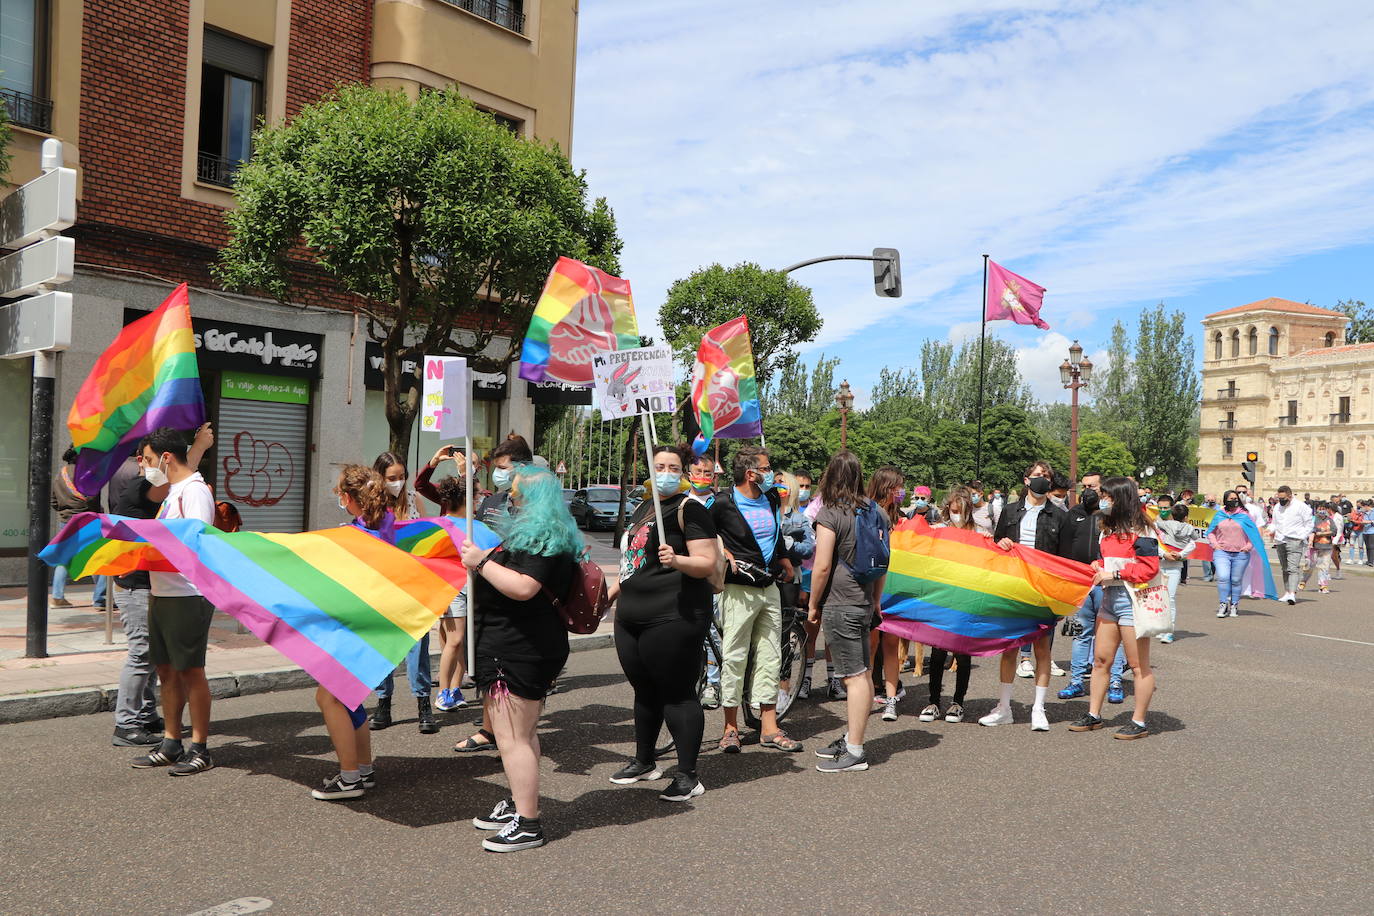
630 382
444 398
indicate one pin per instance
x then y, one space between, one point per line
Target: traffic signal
887 273
1247 468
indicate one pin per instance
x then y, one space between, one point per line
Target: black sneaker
335 789
1130 731
634 771
157 757
520 833
500 816
192 762
832 750
370 780
1088 723
135 737
683 788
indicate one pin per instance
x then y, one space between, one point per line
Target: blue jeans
1230 573
1209 570
417 670
59 586
1081 664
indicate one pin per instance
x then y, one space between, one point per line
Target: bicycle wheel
790 673
710 655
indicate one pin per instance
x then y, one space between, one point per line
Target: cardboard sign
632 382
444 399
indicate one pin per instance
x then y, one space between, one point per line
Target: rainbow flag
957 590
581 310
340 603
145 380
724 389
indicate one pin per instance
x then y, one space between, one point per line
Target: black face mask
1232 505
1283 502
1039 485
1088 500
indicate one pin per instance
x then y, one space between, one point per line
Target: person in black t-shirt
521 642
662 617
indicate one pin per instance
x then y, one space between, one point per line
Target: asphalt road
1253 796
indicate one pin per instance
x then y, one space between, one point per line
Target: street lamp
1075 372
844 399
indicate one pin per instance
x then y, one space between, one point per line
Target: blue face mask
501 478
765 480
1104 504
977 498
921 503
667 483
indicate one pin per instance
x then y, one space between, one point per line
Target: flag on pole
725 394
581 310
146 379
1013 297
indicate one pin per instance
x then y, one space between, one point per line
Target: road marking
237 907
1337 639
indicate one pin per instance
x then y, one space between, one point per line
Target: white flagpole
472 605
645 421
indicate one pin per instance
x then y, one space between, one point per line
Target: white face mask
394 487
956 519
155 475
341 504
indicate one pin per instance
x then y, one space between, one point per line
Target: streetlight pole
1074 373
844 399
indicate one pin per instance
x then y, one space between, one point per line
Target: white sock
365 769
1138 722
856 750
349 775
1005 702
810 665
1040 697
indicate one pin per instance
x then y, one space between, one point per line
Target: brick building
155 104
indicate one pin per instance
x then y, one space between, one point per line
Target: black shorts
529 679
179 631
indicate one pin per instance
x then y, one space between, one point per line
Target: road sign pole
40 485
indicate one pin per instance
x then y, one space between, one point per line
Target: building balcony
1227 424
507 15
26 110
1285 420
216 170
1340 419
1227 394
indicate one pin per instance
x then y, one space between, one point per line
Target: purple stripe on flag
953 642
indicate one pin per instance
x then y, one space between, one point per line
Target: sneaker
1302 586
520 833
1166 638
1089 723
930 713
634 771
804 693
1221 611
683 788
955 713
880 699
1001 715
1116 692
444 701
500 816
1290 598
832 750
710 697
468 682
370 780
836 688
1130 731
192 762
1057 671
1039 721
890 710
843 763
135 737
157 757
1235 609
1025 668
1073 691
459 701
335 789
59 602
1323 590
909 664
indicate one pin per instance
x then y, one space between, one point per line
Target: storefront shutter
264 462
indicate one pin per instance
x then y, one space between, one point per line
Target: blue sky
1118 153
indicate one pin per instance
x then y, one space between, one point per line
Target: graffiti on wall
257 472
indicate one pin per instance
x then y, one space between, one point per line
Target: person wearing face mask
799 547
661 620
1032 521
884 489
1177 539
1236 544
701 487
922 506
1326 534
1059 495
958 512
1290 525
983 518
1082 521
513 453
404 505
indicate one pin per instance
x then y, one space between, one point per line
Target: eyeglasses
766 467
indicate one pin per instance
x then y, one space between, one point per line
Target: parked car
568 495
596 507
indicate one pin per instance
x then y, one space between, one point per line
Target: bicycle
791 671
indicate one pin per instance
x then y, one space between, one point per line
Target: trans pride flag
725 393
957 590
340 603
147 378
581 310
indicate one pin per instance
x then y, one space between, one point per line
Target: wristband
477 570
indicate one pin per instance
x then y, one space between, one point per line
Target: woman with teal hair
521 642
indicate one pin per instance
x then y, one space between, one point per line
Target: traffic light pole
40 486
887 273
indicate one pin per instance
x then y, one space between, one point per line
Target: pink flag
1014 297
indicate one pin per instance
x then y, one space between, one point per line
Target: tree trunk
400 415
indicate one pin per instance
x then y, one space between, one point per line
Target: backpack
871 548
227 516
717 575
586 601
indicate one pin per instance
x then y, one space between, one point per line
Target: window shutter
234 55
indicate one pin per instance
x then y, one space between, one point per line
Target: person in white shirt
1290 526
178 616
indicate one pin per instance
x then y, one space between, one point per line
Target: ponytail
368 490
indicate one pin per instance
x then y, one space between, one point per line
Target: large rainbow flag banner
146 379
725 393
957 590
340 603
581 310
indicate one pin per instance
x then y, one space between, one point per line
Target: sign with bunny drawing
630 382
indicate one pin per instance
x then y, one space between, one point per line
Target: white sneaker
1221 612
999 716
1039 721
1056 670
1235 609
930 713
1289 597
1025 668
890 710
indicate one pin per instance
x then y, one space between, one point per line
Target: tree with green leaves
441 222
1361 327
1099 453
1167 393
1115 397
798 391
795 444
1011 443
780 310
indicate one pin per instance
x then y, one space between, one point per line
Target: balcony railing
1340 418
1226 424
1286 420
507 15
1228 393
26 110
213 169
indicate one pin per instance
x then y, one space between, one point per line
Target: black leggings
663 661
937 675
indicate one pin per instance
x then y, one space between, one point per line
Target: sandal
780 742
729 743
470 744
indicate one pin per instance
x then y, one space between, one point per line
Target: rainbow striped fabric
340 603
724 390
957 590
581 310
146 379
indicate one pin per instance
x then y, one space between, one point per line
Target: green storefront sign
252 386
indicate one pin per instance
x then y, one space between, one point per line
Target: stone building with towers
1279 380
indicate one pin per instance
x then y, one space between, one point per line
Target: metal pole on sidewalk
982 371
40 486
109 610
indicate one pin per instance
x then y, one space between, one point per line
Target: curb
84 701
